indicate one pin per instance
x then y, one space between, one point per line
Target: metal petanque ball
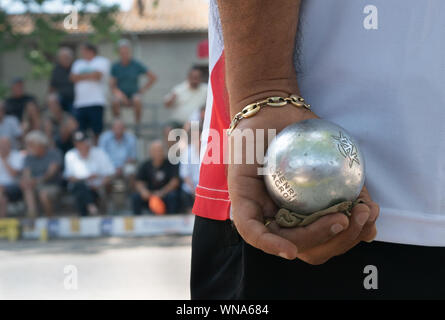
314 164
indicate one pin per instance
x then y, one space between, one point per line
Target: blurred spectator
11 163
61 87
59 126
41 173
120 146
157 177
125 75
166 131
187 97
89 75
189 172
197 116
22 106
10 127
88 170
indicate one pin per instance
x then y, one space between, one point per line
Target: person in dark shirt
157 177
125 75
61 87
22 106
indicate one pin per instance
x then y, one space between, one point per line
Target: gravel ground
109 268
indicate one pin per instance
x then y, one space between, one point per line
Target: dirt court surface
109 268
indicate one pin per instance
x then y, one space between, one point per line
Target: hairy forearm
52 171
10 169
140 187
189 182
152 78
170 100
259 42
113 84
95 76
172 185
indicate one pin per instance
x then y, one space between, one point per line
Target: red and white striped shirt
212 196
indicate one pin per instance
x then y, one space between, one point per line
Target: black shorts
225 267
66 103
12 192
90 117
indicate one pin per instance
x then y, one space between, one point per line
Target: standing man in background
125 75
61 87
90 74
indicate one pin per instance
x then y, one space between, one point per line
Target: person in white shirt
10 127
187 97
90 76
11 163
88 170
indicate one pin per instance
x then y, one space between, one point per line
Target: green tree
48 33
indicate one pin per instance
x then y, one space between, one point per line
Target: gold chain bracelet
253 108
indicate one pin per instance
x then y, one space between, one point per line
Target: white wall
167 55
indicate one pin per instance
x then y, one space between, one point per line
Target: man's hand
259 46
92 177
145 195
152 78
329 236
169 100
159 193
361 228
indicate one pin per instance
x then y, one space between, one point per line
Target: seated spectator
90 77
197 116
157 177
10 127
120 146
168 127
125 75
61 87
88 170
59 126
187 97
23 106
11 164
41 173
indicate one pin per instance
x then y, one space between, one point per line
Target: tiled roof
166 16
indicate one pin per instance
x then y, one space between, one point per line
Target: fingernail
362 217
336 228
